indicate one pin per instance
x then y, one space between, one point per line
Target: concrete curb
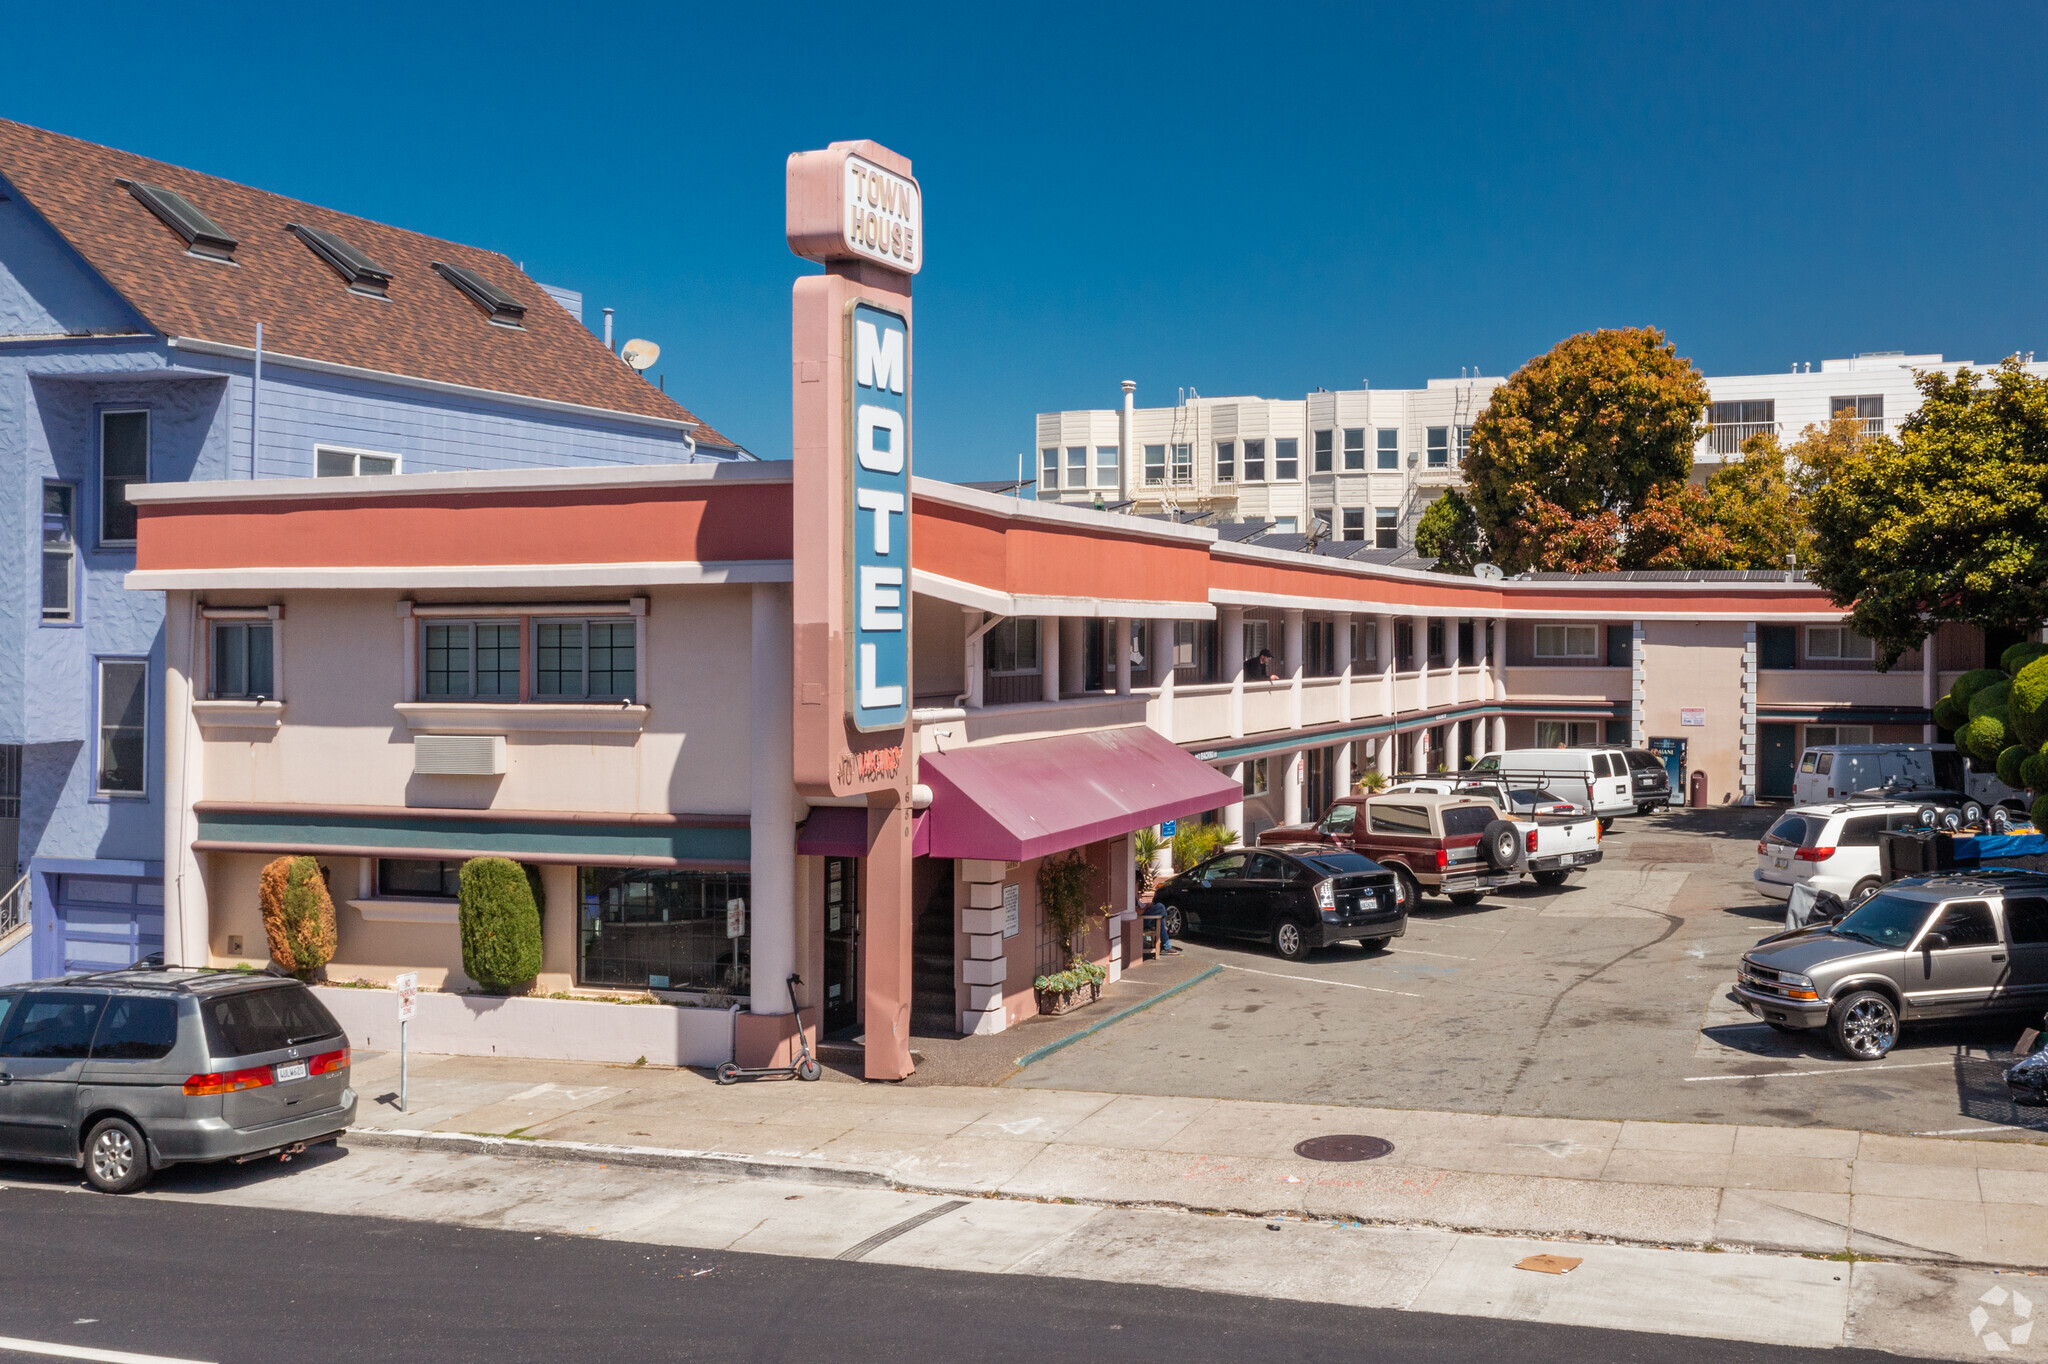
1121 1014
598 1153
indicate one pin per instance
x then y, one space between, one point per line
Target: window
1399 819
329 462
1438 439
1460 820
1365 639
1736 422
409 878
1263 867
124 732
1354 523
661 929
1567 641
1077 466
1226 461
1436 639
1257 777
1322 451
1183 464
1286 525
498 306
582 658
136 1030
1386 528
1967 924
1223 869
1287 458
1342 819
1827 736
1155 465
1354 447
1837 643
1404 644
1825 765
251 1022
60 552
1867 406
1463 449
1565 733
241 659
124 460
470 658
1389 448
1011 646
1185 643
1254 460
53 1026
1049 468
1106 471
1255 637
2026 920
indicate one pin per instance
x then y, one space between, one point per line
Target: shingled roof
426 328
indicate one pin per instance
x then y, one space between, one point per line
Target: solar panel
499 306
203 236
361 274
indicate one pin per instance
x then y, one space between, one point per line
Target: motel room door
842 943
1777 751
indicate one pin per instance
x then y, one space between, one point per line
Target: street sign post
408 1004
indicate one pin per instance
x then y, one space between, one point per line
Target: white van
1833 771
1596 777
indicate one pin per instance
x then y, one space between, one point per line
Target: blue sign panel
1167 829
878 539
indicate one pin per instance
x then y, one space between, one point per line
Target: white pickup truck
1553 845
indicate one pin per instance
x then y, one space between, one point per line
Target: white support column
1638 722
1455 658
1340 767
1500 733
187 926
1233 813
971 659
1390 659
771 819
1296 665
1123 897
1454 742
1422 697
983 969
1159 653
1500 659
1120 637
1049 657
1073 652
1290 791
1930 688
1231 631
1341 630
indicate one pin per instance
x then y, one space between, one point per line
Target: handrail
14 906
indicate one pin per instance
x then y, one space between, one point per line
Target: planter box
1053 1004
546 1029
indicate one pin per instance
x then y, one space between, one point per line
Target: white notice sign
1010 902
735 918
1694 716
408 995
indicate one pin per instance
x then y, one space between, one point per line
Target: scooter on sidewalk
804 1067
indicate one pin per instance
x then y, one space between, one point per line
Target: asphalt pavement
195 1281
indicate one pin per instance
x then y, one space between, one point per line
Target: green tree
1675 528
1754 502
1589 428
500 924
1948 524
1449 533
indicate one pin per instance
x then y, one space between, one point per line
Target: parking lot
1605 998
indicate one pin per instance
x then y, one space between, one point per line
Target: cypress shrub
500 924
298 915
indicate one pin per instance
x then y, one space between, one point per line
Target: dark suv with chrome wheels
1297 899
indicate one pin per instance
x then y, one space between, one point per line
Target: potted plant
1060 991
1145 848
1370 782
1063 884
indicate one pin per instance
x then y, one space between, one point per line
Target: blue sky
1241 199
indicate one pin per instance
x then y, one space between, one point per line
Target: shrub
1950 714
1193 843
2040 813
500 924
2009 764
2028 703
1984 738
1974 681
1145 848
1063 885
2014 659
2034 773
1995 699
298 915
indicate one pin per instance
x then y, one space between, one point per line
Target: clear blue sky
1245 199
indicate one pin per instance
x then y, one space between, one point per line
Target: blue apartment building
157 324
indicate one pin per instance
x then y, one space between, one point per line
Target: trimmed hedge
298 915
2016 658
500 924
2009 764
2028 702
1974 681
1984 738
2034 773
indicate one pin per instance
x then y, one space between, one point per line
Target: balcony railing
14 907
1728 437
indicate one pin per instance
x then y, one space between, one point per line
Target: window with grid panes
1183 464
1155 465
1386 528
1286 458
1106 471
1254 461
1389 448
583 658
1354 447
1226 461
1077 466
1049 468
241 659
1323 440
1438 441
60 552
470 658
1354 523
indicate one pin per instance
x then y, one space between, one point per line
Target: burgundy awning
1021 800
842 831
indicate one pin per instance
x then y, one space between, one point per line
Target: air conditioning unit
459 755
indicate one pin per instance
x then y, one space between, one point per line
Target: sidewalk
1665 1184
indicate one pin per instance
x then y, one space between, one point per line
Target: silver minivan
125 1072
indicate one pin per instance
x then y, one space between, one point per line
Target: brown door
842 942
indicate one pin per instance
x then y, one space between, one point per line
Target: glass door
842 942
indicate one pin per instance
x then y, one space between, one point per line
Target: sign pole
404 1024
408 1003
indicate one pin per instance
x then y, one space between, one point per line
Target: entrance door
842 942
1777 752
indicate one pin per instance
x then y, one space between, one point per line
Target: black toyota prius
1296 898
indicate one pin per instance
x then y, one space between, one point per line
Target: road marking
1318 980
43 1347
888 1234
1986 1131
1418 952
1841 1070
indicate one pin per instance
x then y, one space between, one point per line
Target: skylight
358 271
203 236
500 307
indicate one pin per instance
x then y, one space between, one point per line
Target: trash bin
1696 790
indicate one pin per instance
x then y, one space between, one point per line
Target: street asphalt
228 1284
1606 998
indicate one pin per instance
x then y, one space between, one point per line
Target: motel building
593 671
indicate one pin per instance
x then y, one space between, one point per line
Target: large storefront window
662 930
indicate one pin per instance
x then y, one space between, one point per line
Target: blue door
103 923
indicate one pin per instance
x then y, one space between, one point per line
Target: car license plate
1576 858
291 1070
1783 863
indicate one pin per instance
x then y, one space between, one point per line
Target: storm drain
1344 1147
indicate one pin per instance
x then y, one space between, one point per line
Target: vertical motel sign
855 208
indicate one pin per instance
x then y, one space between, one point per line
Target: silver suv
1951 946
126 1072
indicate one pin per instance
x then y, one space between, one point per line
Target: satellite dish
1490 572
640 354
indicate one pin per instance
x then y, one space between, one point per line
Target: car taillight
328 1061
1326 898
1443 858
1813 854
1763 849
1532 840
229 1081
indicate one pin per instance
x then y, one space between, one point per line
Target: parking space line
1418 952
1841 1070
9 1345
1998 1131
1318 980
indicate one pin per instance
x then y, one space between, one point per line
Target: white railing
14 907
1727 437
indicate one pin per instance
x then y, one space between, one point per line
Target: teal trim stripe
509 838
1119 1016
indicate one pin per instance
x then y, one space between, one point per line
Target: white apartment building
1367 462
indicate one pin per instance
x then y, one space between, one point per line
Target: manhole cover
1344 1147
